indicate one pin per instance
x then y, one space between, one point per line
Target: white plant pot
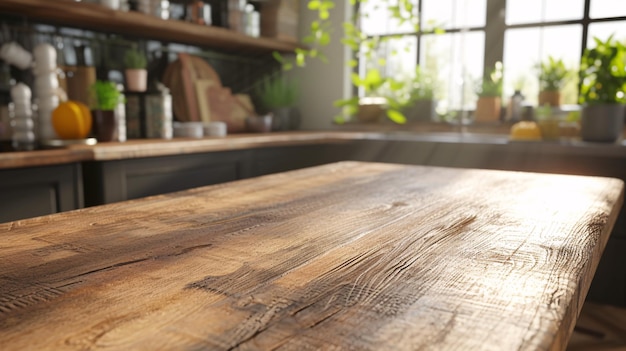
136 80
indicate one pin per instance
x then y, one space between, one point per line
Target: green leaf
278 57
300 59
373 78
339 119
396 116
356 80
353 63
324 39
314 4
346 102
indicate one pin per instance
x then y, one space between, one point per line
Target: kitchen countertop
349 255
157 147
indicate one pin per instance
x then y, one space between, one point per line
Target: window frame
495 29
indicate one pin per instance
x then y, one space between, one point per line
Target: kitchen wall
323 83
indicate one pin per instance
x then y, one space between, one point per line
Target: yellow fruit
525 130
72 120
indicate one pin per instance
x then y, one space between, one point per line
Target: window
454 58
519 33
607 8
536 11
525 48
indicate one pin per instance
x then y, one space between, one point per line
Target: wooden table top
345 256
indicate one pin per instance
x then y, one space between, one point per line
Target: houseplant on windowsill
421 102
552 77
603 91
135 72
372 81
105 97
489 91
278 95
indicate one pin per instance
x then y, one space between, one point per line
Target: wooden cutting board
180 77
198 94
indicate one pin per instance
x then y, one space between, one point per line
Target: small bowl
259 124
188 130
215 129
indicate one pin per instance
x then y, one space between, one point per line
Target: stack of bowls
47 90
21 114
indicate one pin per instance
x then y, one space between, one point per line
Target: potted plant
552 77
105 98
136 74
489 91
367 47
603 91
278 95
421 103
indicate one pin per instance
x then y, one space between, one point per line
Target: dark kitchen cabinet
118 180
37 191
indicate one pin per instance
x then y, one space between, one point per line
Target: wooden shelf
99 18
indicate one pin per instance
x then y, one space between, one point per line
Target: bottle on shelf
514 108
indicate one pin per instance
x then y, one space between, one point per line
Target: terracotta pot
488 109
550 97
371 109
136 80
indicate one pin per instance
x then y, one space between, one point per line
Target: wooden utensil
188 87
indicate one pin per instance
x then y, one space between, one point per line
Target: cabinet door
38 191
286 158
112 181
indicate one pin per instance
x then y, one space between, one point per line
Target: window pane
525 48
533 11
453 13
376 19
604 30
607 8
400 55
457 61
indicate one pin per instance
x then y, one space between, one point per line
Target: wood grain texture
100 18
42 157
158 147
346 256
153 147
480 146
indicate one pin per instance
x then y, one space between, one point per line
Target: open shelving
96 17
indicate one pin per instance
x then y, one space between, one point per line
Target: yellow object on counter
525 131
72 120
